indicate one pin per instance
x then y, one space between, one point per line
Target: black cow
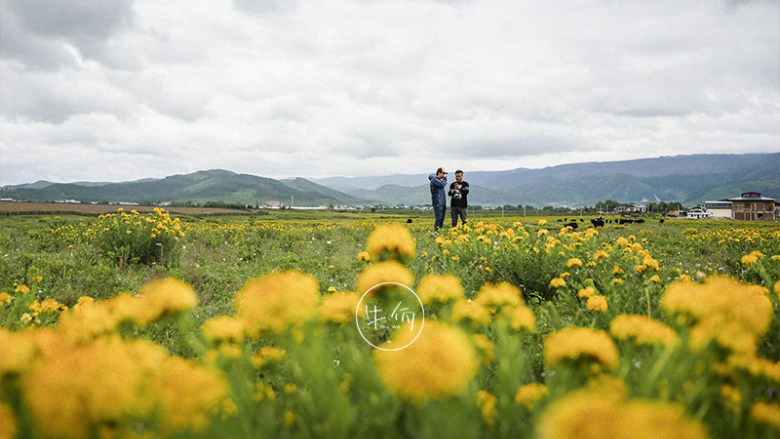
597 222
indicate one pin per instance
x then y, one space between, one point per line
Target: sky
122 90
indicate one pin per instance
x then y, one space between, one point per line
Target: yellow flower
642 330
187 395
390 241
166 296
487 403
581 345
542 222
766 413
276 301
387 271
268 354
364 256
99 384
574 262
735 315
289 418
752 258
600 254
467 311
528 394
5 298
557 282
523 318
597 303
7 422
339 307
586 292
439 288
499 298
594 415
224 328
24 289
440 363
17 351
607 384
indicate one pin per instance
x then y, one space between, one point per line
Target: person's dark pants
438 212
458 212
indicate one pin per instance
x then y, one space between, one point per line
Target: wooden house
751 206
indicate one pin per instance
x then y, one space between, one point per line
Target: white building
699 212
719 209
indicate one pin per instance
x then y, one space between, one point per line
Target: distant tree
607 206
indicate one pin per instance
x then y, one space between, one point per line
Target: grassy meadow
148 324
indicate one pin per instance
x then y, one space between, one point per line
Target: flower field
358 325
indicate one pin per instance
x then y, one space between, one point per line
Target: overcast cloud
129 89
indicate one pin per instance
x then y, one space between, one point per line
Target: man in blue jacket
438 196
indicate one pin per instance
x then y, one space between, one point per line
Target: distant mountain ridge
690 179
216 185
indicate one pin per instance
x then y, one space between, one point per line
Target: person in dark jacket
459 190
438 197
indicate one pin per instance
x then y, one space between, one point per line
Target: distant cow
572 225
597 222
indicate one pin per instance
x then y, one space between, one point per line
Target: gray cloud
265 6
360 87
52 25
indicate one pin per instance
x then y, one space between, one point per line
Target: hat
442 171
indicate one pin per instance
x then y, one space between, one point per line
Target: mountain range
690 179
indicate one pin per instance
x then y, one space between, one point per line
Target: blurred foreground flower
440 363
733 314
391 241
587 415
277 301
581 346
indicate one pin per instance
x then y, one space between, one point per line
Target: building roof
751 196
759 198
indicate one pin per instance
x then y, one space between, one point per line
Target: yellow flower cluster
263 304
440 288
390 241
76 383
440 363
581 346
589 415
732 314
529 394
487 404
339 307
752 258
642 330
387 271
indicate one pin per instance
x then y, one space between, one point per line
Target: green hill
199 187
